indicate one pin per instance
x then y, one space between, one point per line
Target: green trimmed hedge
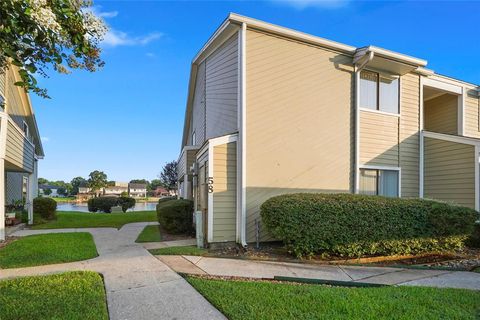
350 225
45 207
105 204
165 199
474 240
176 216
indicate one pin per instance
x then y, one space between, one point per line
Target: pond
82 207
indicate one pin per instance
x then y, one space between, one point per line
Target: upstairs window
378 92
194 139
25 129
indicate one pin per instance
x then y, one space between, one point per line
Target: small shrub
166 199
104 204
474 239
176 216
356 225
126 203
45 207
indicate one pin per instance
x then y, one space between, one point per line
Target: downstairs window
379 182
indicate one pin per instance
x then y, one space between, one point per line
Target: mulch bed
8 240
468 259
170 237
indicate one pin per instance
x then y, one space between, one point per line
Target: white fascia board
451 138
444 86
397 56
289 33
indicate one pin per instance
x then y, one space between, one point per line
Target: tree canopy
168 176
97 180
36 35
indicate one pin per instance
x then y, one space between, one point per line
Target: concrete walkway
138 286
370 275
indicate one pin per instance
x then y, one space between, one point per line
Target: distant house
116 190
161 192
137 190
84 192
43 187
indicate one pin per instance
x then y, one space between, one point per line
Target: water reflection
82 207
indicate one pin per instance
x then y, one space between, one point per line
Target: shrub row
474 240
45 207
355 225
176 216
105 204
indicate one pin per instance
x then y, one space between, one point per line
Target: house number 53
210 184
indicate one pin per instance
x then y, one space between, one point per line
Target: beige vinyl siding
2 83
19 152
197 124
409 134
299 121
378 139
441 114
450 172
222 89
472 110
224 192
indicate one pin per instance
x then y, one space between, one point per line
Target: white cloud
115 38
150 54
97 10
44 139
322 4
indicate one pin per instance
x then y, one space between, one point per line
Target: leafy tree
76 183
155 183
168 176
36 35
47 192
97 180
62 191
42 181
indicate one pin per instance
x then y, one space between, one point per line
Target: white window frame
378 111
194 138
384 168
26 132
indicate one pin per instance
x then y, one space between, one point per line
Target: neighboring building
137 190
43 187
273 111
116 190
20 146
161 192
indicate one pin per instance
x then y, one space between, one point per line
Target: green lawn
72 219
72 295
185 251
150 234
49 248
266 300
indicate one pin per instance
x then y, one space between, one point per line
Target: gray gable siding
222 89
198 112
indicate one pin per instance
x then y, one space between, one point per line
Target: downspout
359 66
242 136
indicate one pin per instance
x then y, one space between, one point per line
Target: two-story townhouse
271 111
20 146
137 190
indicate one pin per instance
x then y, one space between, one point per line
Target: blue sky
127 119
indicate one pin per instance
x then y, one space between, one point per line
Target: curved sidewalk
343 273
138 285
